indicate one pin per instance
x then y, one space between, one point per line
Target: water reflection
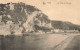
35 42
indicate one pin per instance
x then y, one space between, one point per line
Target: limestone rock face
27 17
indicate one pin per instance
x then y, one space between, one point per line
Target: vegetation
20 13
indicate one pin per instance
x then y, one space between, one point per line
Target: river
32 42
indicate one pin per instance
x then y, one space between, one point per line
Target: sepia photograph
39 24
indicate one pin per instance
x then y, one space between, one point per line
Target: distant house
71 31
65 31
56 30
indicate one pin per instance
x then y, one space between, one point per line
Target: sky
64 10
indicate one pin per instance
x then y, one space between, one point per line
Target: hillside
30 19
65 25
26 16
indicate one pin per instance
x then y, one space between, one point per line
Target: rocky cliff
26 16
30 19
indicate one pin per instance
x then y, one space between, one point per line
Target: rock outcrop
26 16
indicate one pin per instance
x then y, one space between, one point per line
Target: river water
32 42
